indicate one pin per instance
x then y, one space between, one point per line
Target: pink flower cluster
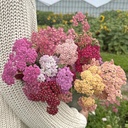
22 55
84 40
66 97
114 78
67 52
64 79
30 74
80 18
9 73
46 40
71 34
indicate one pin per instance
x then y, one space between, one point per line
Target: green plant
50 18
42 18
111 29
105 118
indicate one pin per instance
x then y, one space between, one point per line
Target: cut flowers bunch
54 64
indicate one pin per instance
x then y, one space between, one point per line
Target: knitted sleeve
18 20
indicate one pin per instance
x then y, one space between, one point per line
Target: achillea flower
94 69
23 54
48 66
46 92
64 78
79 17
90 84
87 103
46 40
81 86
31 74
84 40
26 55
85 55
71 34
9 73
66 97
31 56
114 78
33 92
67 52
93 62
85 26
21 65
41 78
21 43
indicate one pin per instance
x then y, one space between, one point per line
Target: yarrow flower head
9 72
86 54
21 55
48 65
113 81
91 82
64 78
21 43
46 40
79 17
31 74
67 52
87 103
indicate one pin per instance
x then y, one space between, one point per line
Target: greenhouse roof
49 2
96 3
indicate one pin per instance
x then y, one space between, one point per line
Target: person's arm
18 19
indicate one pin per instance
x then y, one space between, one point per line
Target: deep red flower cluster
50 91
86 54
46 92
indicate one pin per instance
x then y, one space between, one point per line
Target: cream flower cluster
91 83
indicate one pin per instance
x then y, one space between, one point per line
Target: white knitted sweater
17 20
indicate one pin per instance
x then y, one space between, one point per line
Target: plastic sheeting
96 3
49 2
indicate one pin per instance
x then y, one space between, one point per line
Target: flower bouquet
54 65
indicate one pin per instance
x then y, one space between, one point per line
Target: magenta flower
9 73
31 74
64 78
21 43
33 92
31 56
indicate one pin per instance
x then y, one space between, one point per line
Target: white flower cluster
41 78
48 66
